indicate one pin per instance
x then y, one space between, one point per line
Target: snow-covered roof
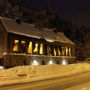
31 31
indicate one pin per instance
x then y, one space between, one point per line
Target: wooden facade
24 40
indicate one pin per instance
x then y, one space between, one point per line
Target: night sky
76 10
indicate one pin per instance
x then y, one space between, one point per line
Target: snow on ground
84 86
22 74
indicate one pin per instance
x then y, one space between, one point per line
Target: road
84 86
65 83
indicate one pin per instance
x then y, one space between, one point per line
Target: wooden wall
3 40
12 37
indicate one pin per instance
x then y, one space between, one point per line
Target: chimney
18 21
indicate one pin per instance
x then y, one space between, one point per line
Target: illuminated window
30 48
70 53
55 53
67 51
41 49
16 45
23 42
36 48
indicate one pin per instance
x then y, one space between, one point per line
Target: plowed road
64 83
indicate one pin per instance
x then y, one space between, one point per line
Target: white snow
84 86
22 74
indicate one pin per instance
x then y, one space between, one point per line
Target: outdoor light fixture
35 62
1 67
64 62
50 62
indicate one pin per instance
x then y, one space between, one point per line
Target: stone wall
26 59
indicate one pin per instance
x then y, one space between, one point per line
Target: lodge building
24 44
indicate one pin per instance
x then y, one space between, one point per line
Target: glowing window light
23 42
41 49
16 47
70 52
30 48
55 53
64 62
66 51
36 48
35 62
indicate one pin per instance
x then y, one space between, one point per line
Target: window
63 51
30 48
16 46
36 48
67 51
41 49
55 52
70 54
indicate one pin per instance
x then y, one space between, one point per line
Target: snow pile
32 73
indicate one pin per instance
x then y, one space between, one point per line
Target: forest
47 18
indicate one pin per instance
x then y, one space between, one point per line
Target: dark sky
76 10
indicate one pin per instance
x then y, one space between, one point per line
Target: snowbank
21 74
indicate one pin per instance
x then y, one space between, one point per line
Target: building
24 44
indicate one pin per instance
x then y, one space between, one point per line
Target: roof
31 31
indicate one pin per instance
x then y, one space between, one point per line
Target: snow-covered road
84 86
73 82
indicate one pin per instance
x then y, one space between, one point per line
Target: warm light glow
16 47
55 53
16 41
36 48
50 62
23 42
41 49
67 51
70 52
1 67
35 62
64 62
30 48
5 53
